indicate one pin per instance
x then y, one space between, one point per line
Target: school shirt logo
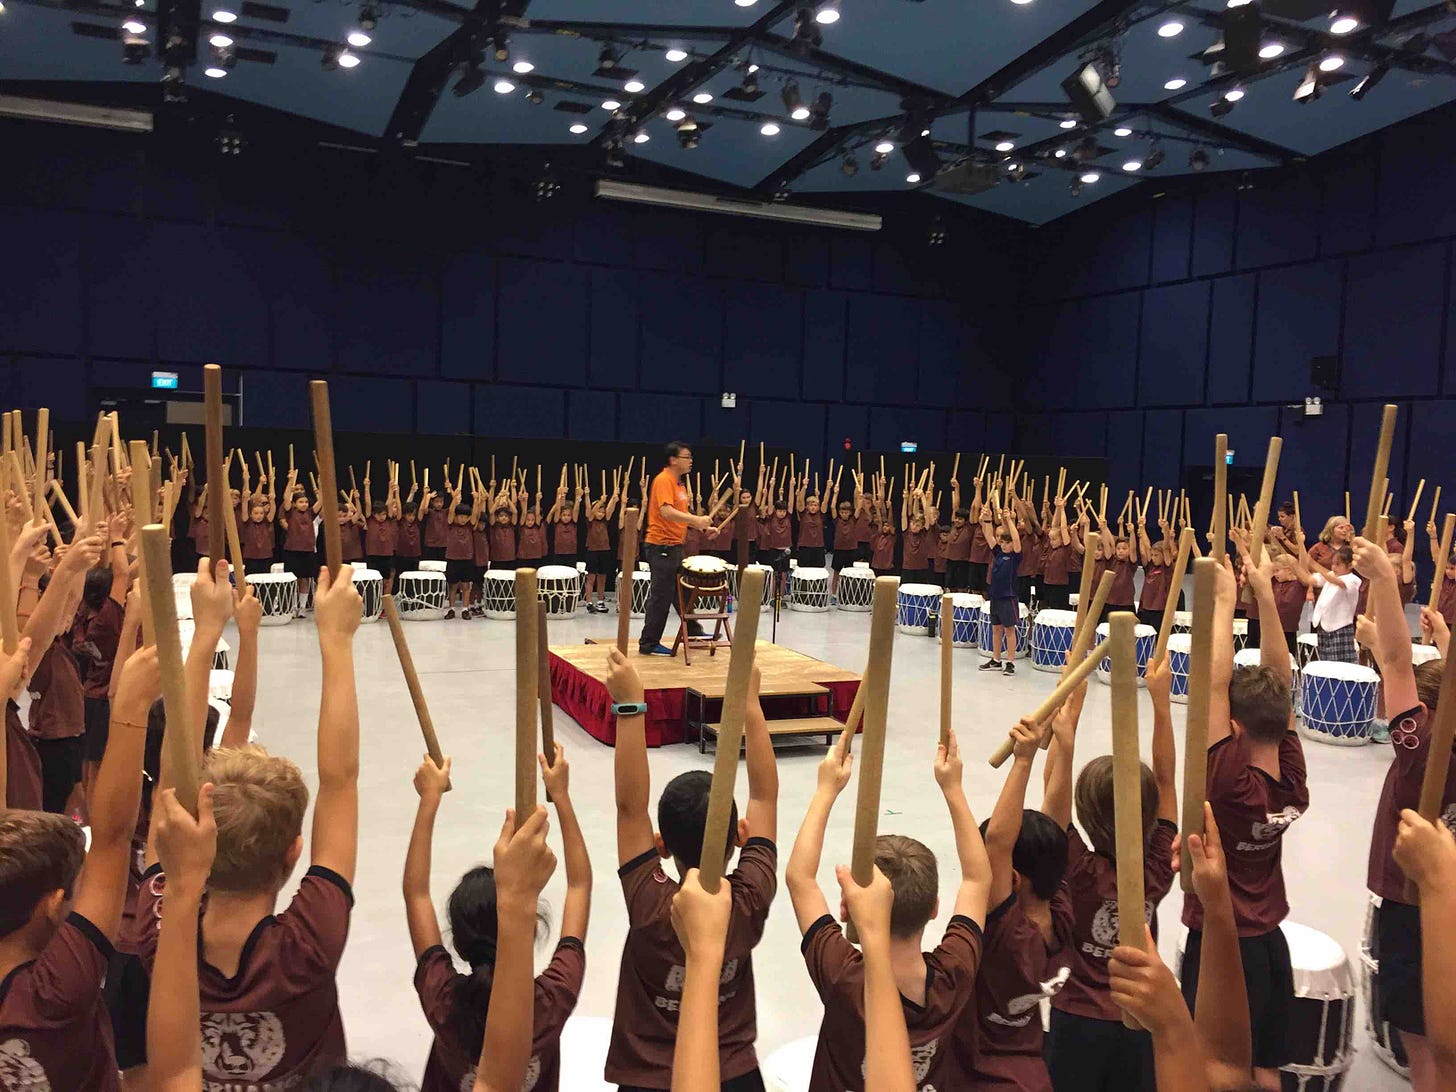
1266 835
19 1072
921 1058
242 1046
1105 925
533 1074
1021 1009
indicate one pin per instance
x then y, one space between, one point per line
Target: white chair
584 1042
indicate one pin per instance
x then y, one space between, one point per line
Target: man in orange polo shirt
668 520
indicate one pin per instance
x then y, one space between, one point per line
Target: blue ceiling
881 55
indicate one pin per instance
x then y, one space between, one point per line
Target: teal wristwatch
629 708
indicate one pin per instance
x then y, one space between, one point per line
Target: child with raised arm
809 546
258 531
456 1005
1445 575
650 983
296 518
1426 852
919 545
700 921
531 544
1257 788
888 1060
935 986
599 561
1087 1046
381 531
434 520
408 546
1001 591
1054 589
1411 695
94 640
460 557
270 1007
981 542
1024 963
62 906
1333 620
565 527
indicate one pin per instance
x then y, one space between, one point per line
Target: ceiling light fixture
769 128
1122 131
1308 89
348 60
912 178
676 55
702 98
522 67
223 15
1198 159
677 113
1069 123
745 3
1090 177
136 26
884 147
827 12
641 137
368 17
504 87
1344 24
1331 63
359 39
1005 146
611 104
1270 50
1171 29
1177 83
578 128
1234 94
1361 89
819 112
1060 153
689 132
221 41
633 86
1133 165
849 165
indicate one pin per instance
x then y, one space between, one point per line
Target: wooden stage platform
681 699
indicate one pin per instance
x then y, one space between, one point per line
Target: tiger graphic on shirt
921 1058
1020 1010
533 1074
19 1072
240 1047
1106 928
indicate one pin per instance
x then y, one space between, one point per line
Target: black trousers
664 562
1086 1055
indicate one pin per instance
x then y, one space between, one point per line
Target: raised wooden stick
1440 575
1380 471
528 659
1084 586
42 434
543 684
1054 700
83 489
18 484
1298 522
947 621
1195 739
730 733
1175 588
219 496
624 585
412 681
1266 498
1219 545
9 634
180 741
1443 729
1435 504
1416 500
323 446
1127 786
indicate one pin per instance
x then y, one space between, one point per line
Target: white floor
467 670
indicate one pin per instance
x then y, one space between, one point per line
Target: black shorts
1023 589
777 560
916 576
301 563
1269 979
460 572
978 571
600 562
1083 1053
383 564
1397 944
258 564
1053 596
60 768
405 565
957 574
1005 612
1150 617
127 992
809 557
98 727
434 553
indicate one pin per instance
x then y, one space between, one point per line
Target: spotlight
1177 83
1016 172
578 128
1344 24
702 98
921 155
1331 63
689 132
748 90
641 137
607 58
229 141
1110 65
1005 146
1122 131
912 178
1309 88
1198 159
504 87
1069 123
769 128
523 67
677 113
819 112
1154 159
849 165
136 26
1171 29
806 31
614 157
611 104
173 89
1233 94
221 41
330 58
793 103
633 86
214 71
1220 108
827 12
1076 187
223 59
1086 149
535 98
1269 50
359 39
502 47
1060 153
368 17
884 147
1087 92
224 15
1133 165
1090 177
676 55
471 79
348 60
1446 43
878 160
1368 81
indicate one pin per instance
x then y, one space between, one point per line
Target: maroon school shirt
1410 740
882 558
1289 596
564 538
452 1066
846 534
381 536
1253 811
1124 574
980 546
941 536
55 1032
1075 561
277 1019
1446 603
102 627
199 533
864 529
503 542
837 971
436 521
1033 552
458 543
693 542
1086 907
811 529
750 523
1000 1037
57 705
1156 580
351 542
916 554
780 531
407 540
480 546
650 982
958 543
597 536
298 535
532 544
1322 552
1057 566
256 539
22 781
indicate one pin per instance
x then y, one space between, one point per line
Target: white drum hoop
433 567
1180 647
558 587
1386 1040
1323 980
1052 633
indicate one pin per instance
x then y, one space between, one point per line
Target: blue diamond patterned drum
1337 703
1051 639
1023 631
914 604
965 619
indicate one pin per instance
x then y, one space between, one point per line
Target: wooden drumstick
412 681
219 495
1127 786
1443 729
83 492
1416 500
528 660
5 441
42 434
1435 504
1380 471
624 585
180 742
1044 712
9 634
1440 575
235 549
543 687
1389 498
946 624
872 748
730 733
19 485
1220 497
1084 587
1298 523
323 444
118 451
1175 586
98 484
1266 498
1195 739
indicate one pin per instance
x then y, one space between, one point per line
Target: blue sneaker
656 650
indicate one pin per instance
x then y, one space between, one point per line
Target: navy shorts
1398 948
1005 612
460 572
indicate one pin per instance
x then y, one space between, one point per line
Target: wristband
629 708
117 542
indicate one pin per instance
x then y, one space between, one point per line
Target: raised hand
431 781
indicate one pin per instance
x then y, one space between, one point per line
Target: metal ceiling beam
694 73
421 91
1222 134
628 32
863 73
809 156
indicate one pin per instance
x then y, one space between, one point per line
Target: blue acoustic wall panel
1417 162
1365 420
671 241
725 425
386 318
57 383
851 261
1248 429
1051 382
277 400
526 412
297 274
1279 222
762 339
1231 339
851 423
656 418
883 353
682 333
442 409
1107 370
1393 322
1000 428
591 415
1079 433
806 257
1036 434
542 322
120 276
825 315
965 430
946 370
743 251
1313 462
1433 457
614 328
212 307
42 311
373 404
602 235
1174 344
796 425
890 425
1172 238
1348 209
1124 454
1214 216
1450 337
1162 448
1298 318
467 316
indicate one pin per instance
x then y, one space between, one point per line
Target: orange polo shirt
666 489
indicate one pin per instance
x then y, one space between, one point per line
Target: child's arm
975 885
368 498
1165 751
431 782
762 812
629 764
1392 647
1056 793
1434 630
523 864
701 923
1223 1001
1427 853
1408 554
1273 651
1143 986
1221 658
1436 558
801 876
887 1042
248 614
337 609
1014 533
1004 826
187 845
577 909
212 606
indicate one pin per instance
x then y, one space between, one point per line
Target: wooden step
717 689
827 727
